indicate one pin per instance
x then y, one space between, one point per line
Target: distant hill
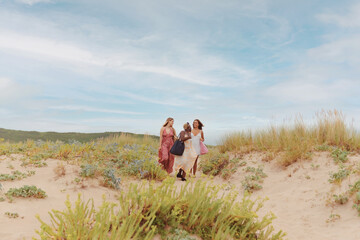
18 136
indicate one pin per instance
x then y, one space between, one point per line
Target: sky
94 66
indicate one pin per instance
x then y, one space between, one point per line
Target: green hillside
17 135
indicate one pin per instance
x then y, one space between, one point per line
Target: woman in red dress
167 137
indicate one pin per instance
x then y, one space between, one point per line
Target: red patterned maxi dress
166 159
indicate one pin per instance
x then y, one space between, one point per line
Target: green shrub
144 211
214 162
139 161
250 185
179 234
355 187
35 163
357 198
11 215
341 198
357 202
152 170
323 148
252 182
339 156
339 176
15 175
26 192
88 170
110 180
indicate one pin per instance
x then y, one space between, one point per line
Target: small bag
203 148
178 147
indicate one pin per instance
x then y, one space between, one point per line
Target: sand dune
298 195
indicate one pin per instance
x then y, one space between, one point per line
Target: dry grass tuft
60 170
128 139
296 140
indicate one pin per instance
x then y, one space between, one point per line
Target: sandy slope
297 195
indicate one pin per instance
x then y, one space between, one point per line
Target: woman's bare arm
175 136
202 136
183 137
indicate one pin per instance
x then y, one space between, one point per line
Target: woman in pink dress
167 137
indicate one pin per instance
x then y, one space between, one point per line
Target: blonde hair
167 122
186 125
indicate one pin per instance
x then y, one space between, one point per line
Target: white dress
196 142
187 160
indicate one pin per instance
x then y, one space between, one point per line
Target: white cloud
46 49
350 19
169 102
11 91
91 109
309 90
42 47
32 2
344 50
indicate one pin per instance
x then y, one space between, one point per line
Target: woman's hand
201 139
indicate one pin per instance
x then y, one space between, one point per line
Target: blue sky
93 66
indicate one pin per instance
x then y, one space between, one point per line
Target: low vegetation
339 176
298 140
26 192
128 155
110 180
252 182
341 198
18 136
333 217
339 155
11 215
15 175
60 170
146 210
214 162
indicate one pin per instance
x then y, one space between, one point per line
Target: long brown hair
201 125
167 122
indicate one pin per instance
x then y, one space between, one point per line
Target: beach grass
296 140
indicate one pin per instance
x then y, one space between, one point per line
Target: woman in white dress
185 162
197 135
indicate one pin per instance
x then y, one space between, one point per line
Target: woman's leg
195 166
183 176
179 175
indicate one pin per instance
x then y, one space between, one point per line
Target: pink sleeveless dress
166 159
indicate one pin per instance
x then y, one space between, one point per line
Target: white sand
57 191
297 195
300 202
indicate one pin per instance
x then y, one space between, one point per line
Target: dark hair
200 124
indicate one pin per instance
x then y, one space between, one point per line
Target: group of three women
187 162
